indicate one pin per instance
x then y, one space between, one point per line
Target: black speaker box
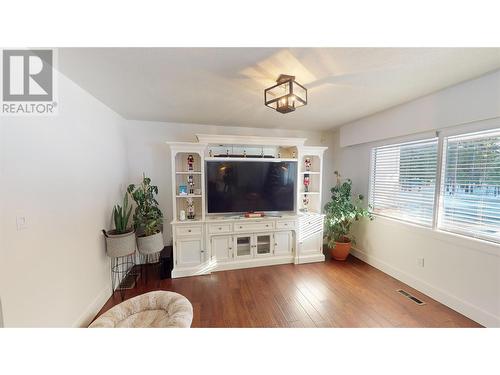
166 262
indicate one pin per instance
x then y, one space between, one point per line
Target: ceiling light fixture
286 95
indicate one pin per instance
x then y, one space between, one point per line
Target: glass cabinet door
263 244
243 246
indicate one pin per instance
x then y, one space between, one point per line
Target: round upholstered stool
150 310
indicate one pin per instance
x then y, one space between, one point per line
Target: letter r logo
27 75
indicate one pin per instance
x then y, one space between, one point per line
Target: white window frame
372 174
439 208
476 127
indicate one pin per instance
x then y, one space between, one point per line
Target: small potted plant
121 241
341 212
147 217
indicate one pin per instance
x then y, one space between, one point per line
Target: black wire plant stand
124 274
150 261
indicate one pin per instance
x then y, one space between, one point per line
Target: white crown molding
249 140
187 147
317 150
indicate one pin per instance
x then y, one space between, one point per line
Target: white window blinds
470 185
403 181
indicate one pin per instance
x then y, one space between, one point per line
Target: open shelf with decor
182 164
183 204
187 181
311 166
187 173
254 153
188 184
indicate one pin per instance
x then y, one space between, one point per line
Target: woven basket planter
150 244
120 245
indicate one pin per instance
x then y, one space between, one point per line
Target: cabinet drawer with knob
289 224
220 228
254 226
188 230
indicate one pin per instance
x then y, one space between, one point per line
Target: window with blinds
470 185
403 181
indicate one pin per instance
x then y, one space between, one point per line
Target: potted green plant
147 217
341 212
121 240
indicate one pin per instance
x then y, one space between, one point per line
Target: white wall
148 152
459 272
64 174
331 162
474 100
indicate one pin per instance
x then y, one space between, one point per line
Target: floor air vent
411 297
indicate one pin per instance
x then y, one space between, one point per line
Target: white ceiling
225 86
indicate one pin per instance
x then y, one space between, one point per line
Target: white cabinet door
312 244
222 248
243 246
263 244
283 243
189 252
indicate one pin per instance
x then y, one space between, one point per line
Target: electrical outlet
21 223
420 262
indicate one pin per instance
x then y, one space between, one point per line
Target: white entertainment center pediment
279 177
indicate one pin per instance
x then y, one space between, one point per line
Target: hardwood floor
329 294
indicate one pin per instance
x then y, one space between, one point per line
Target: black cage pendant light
286 95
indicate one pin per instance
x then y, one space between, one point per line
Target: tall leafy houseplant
121 241
341 212
147 216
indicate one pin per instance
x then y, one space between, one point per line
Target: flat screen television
248 186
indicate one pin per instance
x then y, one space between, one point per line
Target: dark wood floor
329 294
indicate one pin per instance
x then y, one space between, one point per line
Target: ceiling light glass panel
286 95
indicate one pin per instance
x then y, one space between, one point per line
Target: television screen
245 186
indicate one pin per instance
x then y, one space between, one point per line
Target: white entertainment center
215 242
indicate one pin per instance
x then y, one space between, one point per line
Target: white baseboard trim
213 266
203 269
253 263
91 311
482 317
311 258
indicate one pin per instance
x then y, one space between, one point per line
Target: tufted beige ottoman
150 310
